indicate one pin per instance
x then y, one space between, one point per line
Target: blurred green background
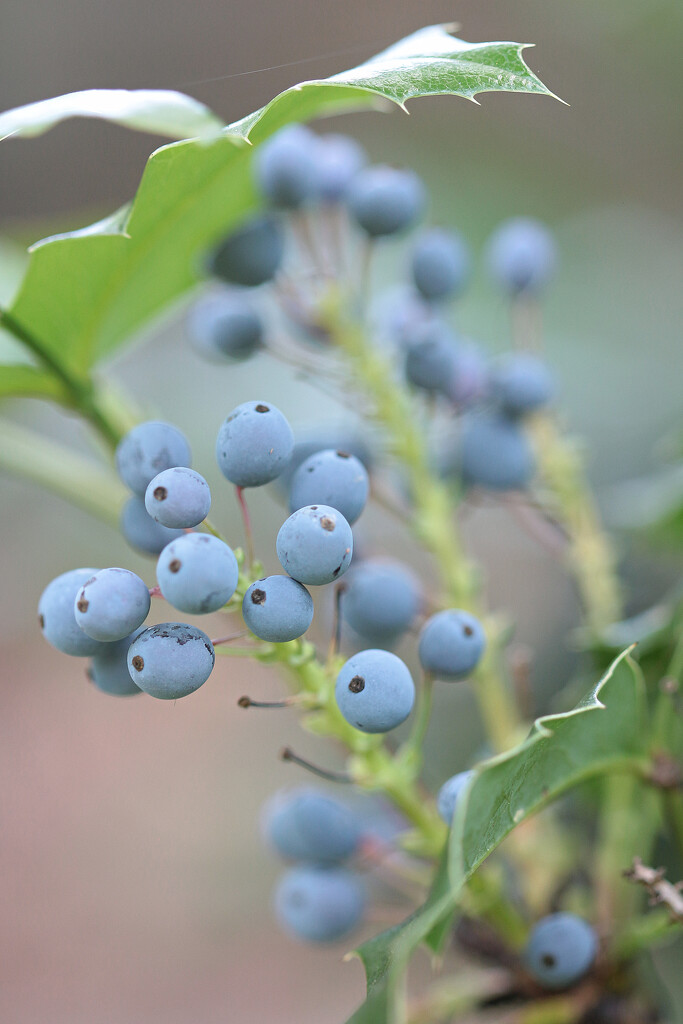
135 887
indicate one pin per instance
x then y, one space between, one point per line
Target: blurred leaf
86 292
29 381
160 111
605 732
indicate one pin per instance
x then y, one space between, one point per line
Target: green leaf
86 292
606 732
160 111
22 380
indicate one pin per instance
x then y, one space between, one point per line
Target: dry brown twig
668 894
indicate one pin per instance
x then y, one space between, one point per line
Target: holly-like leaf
160 111
85 293
605 733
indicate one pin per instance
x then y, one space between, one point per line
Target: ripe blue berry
319 904
338 438
560 950
148 449
197 573
178 498
254 444
381 600
375 691
109 669
384 201
431 358
170 660
111 604
251 255
285 167
304 824
448 795
225 325
496 453
57 618
522 255
140 530
333 478
315 545
521 383
277 609
338 160
451 644
440 264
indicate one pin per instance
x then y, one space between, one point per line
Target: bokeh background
134 885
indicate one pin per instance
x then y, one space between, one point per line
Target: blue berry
440 264
197 573
375 691
451 644
496 453
251 255
277 609
323 437
148 449
254 444
57 618
178 498
560 950
431 358
111 604
108 670
170 660
522 255
285 167
521 383
225 326
140 530
470 380
449 793
381 600
338 160
319 904
315 545
304 824
384 200
334 478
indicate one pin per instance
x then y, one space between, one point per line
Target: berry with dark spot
170 660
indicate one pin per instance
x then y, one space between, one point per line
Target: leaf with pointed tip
86 292
606 732
159 111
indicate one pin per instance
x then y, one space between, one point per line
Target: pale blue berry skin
108 670
254 444
315 545
338 438
225 326
111 604
522 255
319 904
447 796
338 160
386 695
140 530
451 644
197 573
521 384
496 453
285 167
331 477
561 950
307 825
57 618
440 264
385 201
251 255
178 498
148 449
381 600
470 382
277 609
431 358
170 660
